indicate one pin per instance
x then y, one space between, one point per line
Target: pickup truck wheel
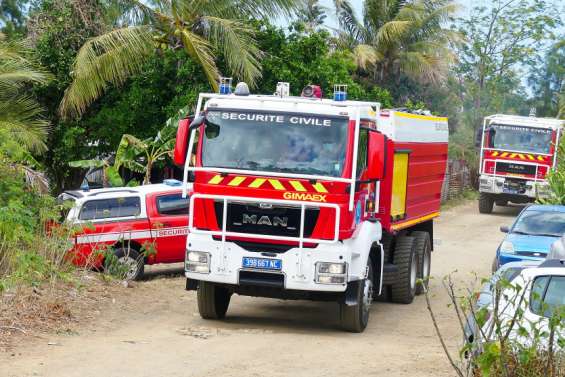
354 318
486 203
130 264
213 300
424 251
406 260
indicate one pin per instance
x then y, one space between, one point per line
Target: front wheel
354 318
213 300
126 263
486 203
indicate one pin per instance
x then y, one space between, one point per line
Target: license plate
262 263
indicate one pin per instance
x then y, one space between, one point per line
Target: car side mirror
504 229
478 137
197 122
376 155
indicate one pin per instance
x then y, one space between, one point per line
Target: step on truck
309 198
516 153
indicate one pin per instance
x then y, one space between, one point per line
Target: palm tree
202 28
399 38
22 128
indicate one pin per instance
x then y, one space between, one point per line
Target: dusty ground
153 329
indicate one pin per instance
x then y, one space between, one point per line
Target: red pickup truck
138 225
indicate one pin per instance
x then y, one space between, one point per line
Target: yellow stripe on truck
297 186
236 181
257 182
276 184
319 187
216 179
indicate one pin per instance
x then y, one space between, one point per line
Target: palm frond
239 48
365 56
108 59
393 32
21 118
347 19
259 9
424 68
200 50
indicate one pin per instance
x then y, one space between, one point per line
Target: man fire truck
516 153
309 198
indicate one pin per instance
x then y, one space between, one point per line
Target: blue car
531 235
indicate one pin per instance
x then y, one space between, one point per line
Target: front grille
513 168
270 220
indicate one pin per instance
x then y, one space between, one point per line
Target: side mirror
181 143
197 122
504 229
376 155
478 137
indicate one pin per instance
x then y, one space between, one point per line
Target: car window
536 295
110 208
362 151
173 204
554 295
541 223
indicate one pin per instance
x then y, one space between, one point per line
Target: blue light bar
340 92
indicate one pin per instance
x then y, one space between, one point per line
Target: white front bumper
298 266
495 185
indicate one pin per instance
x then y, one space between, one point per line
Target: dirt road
154 329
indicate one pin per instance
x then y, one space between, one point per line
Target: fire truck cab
516 153
309 198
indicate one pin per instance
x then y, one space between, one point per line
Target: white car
540 293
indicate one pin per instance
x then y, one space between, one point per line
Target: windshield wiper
546 235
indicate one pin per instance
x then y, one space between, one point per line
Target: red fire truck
516 153
139 225
309 198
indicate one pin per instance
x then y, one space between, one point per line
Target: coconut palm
22 128
398 38
202 28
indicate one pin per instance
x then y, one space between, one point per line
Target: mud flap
351 294
191 284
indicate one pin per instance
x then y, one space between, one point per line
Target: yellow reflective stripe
216 179
494 154
522 157
504 154
513 155
319 187
297 186
236 181
257 182
541 158
276 184
531 157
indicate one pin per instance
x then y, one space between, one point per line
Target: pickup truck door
168 216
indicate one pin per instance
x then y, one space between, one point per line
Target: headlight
507 247
197 261
331 273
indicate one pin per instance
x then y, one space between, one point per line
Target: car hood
539 244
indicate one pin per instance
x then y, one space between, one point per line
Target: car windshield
540 223
521 139
276 142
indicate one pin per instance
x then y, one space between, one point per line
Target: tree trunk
147 179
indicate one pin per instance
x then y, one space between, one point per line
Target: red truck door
168 216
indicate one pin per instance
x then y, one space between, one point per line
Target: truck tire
213 301
131 260
406 259
354 318
486 202
424 251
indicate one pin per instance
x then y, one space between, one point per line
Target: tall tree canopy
202 28
398 38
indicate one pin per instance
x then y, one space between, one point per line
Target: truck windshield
277 142
520 139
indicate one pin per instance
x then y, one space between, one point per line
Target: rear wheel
406 260
486 203
424 251
354 318
213 300
128 265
